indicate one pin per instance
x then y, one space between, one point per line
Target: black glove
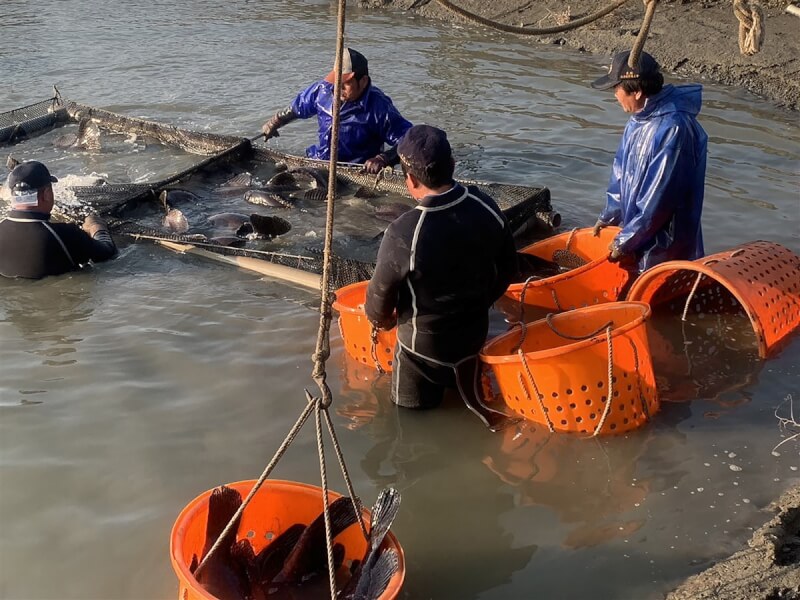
280 119
597 227
376 164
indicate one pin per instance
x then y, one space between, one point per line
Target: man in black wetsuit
30 245
440 267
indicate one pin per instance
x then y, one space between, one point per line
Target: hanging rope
533 30
323 349
751 25
636 50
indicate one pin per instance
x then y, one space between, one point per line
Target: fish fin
193 564
244 556
222 505
383 514
11 163
162 197
316 195
272 557
381 574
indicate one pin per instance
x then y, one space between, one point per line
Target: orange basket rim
494 359
561 276
176 542
346 308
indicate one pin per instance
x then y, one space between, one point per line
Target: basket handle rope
642 399
610 396
539 395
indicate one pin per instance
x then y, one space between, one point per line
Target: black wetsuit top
32 247
441 266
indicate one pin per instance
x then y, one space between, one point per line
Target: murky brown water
128 390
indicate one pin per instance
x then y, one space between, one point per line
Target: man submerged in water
31 246
368 119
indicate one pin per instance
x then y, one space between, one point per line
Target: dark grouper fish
309 556
222 575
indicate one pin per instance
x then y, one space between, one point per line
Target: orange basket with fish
274 545
361 340
583 275
760 280
586 370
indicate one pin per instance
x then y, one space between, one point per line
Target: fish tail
270 560
383 514
222 505
381 573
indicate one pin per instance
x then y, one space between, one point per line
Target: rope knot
751 25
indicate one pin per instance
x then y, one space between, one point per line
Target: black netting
522 206
22 123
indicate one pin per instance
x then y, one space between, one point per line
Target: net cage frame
526 208
762 279
24 122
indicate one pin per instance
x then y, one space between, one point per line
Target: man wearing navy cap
367 118
440 267
31 246
655 193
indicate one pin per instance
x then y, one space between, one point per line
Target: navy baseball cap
29 176
354 64
423 146
619 70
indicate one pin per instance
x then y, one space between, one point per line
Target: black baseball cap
619 70
354 64
424 146
29 176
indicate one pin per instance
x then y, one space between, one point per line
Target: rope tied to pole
751 25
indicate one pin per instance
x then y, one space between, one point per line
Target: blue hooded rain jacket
364 125
656 188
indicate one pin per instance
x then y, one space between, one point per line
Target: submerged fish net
526 208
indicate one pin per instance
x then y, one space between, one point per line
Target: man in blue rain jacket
655 193
368 119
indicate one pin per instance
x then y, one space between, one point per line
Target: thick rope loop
690 296
751 25
532 381
521 321
644 30
533 30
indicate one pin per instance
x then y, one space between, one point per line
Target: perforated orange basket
277 506
595 282
762 279
550 377
356 329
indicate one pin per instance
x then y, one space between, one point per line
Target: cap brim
604 83
331 78
53 179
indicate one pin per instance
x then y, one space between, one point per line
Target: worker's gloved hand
597 227
280 119
92 224
616 254
376 164
271 127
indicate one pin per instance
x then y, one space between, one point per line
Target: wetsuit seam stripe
497 217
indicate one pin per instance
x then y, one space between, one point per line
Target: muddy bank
695 39
768 569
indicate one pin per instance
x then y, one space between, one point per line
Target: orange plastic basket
356 329
277 506
595 282
564 383
760 278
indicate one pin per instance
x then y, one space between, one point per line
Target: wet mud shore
694 39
